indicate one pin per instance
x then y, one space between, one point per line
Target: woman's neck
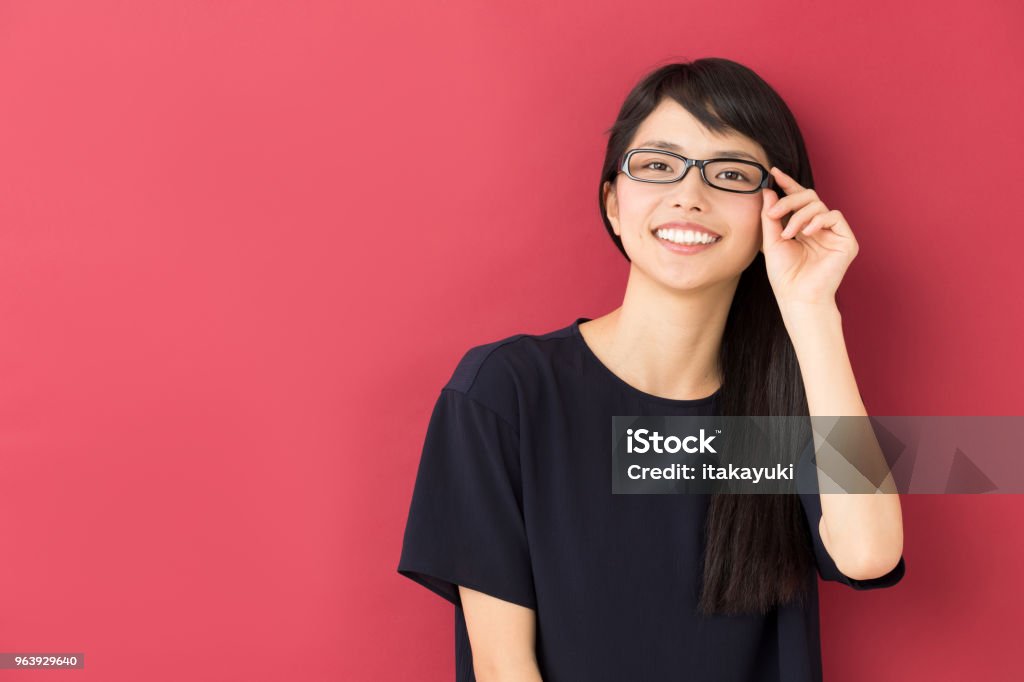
663 342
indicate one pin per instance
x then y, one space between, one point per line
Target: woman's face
635 209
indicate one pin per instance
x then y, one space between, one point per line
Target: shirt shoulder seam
486 407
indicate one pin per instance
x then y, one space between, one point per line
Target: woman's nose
691 185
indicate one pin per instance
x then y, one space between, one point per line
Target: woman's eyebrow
721 152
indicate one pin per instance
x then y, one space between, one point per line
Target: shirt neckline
627 387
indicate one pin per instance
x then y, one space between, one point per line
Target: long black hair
758 552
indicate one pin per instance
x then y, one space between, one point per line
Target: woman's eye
657 163
741 175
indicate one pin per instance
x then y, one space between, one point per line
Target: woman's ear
611 206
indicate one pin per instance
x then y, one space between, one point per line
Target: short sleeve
811 502
466 524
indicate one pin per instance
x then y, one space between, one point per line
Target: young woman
729 309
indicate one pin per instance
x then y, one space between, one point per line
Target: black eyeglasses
729 175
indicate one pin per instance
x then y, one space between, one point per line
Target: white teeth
685 236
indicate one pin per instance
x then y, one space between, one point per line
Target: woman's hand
807 269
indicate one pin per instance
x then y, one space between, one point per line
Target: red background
245 243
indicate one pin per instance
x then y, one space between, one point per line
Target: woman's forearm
863 533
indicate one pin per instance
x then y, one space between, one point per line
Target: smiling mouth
685 237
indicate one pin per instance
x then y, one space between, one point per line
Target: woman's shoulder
497 372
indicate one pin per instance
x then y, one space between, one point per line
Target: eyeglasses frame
766 176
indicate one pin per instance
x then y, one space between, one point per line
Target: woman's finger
800 219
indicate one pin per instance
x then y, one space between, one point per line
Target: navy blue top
513 498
